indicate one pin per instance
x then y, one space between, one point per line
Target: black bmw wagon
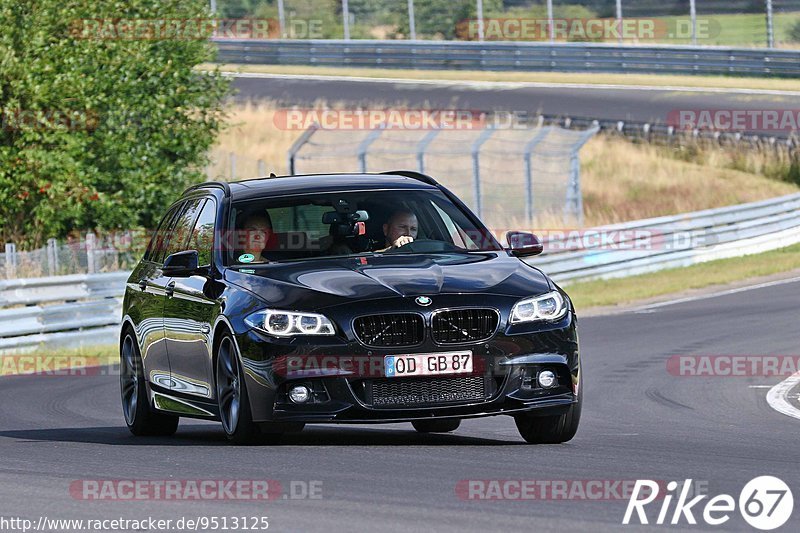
272 303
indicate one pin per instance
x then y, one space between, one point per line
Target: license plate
433 364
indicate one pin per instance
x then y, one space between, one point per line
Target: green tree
100 130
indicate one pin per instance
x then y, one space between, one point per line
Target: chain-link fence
231 166
89 254
707 22
511 178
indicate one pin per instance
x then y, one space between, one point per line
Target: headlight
550 306
289 323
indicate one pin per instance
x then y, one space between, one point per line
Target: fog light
299 394
546 379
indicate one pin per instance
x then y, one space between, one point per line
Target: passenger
258 236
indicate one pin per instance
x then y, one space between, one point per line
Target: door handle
170 289
143 284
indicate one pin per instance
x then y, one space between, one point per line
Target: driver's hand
402 241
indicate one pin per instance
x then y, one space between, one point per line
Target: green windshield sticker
247 258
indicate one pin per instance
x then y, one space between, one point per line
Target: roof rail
414 175
219 184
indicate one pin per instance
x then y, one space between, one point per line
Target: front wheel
551 429
234 405
140 417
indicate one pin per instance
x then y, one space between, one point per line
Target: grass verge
588 78
621 291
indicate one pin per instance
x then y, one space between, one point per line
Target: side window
457 234
180 230
202 238
157 243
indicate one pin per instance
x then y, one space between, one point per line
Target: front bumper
344 374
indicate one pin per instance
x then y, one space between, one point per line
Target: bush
99 132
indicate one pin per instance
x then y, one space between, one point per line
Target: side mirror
181 264
522 244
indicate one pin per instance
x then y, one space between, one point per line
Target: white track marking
777 397
515 84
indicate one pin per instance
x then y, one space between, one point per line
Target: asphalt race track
641 105
639 421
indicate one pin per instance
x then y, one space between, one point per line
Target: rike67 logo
765 503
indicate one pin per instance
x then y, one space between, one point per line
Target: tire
551 429
140 417
436 426
232 399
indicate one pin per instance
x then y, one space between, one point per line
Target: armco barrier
519 56
725 232
746 228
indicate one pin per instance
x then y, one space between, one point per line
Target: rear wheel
140 417
234 405
436 426
551 429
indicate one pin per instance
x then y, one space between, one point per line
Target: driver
400 229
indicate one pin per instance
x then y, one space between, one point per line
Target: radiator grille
398 329
464 325
395 392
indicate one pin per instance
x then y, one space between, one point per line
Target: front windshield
351 223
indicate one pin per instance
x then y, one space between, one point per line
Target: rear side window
157 243
181 229
202 238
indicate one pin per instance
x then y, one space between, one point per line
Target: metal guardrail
89 312
518 56
717 233
28 291
676 241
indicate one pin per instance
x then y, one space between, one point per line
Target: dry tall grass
624 181
621 180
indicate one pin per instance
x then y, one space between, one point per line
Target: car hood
323 282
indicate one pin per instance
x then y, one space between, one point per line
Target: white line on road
777 397
514 84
